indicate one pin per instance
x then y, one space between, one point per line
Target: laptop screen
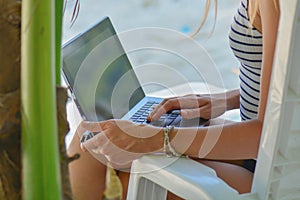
99 74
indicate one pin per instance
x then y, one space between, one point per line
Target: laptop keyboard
166 119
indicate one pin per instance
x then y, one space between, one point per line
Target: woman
211 144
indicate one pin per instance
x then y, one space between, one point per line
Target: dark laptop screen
99 74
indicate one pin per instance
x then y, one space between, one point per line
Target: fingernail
82 147
182 113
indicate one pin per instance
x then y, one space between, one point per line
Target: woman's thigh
87 174
124 177
235 176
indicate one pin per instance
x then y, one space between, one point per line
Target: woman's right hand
192 106
121 141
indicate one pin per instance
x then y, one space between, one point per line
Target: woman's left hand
121 141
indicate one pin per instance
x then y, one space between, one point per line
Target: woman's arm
241 140
230 141
269 20
121 141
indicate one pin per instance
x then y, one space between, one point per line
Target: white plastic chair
277 174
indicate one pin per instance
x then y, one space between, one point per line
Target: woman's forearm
239 140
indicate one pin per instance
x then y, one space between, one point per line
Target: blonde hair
207 6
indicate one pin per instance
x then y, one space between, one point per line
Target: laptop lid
99 74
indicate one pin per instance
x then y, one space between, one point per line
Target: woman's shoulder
258 9
268 7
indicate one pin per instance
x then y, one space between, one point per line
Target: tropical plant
37 174
10 122
27 96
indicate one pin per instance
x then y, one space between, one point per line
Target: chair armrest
182 176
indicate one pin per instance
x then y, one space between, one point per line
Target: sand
176 19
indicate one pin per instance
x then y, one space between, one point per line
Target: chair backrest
277 174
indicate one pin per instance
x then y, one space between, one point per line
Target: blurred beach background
179 16
171 19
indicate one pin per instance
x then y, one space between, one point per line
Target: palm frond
75 12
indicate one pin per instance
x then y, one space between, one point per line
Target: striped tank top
246 43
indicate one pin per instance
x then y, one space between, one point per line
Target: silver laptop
103 83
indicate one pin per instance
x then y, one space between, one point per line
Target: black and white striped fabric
246 43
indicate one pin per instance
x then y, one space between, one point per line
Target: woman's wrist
168 148
232 99
158 141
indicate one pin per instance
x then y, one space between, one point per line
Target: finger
96 143
154 115
154 108
203 112
162 108
192 101
184 102
93 126
115 155
109 148
190 113
80 130
83 147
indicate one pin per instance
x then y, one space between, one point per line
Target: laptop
103 83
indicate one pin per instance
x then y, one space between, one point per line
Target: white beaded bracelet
167 143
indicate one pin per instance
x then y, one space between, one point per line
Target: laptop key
140 120
176 121
158 123
134 120
175 112
169 121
